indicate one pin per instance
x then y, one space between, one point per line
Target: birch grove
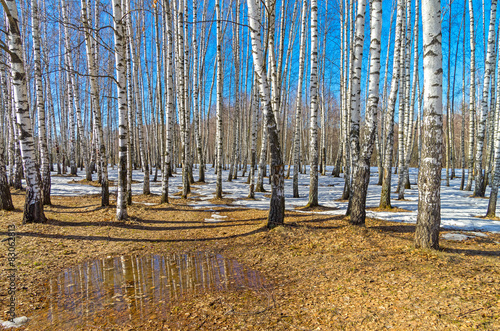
132 96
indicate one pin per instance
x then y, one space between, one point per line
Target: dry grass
491 218
325 274
316 208
474 197
392 209
198 183
190 194
193 188
221 201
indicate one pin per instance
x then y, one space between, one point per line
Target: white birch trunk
94 91
411 108
233 170
218 188
385 197
129 97
472 97
10 115
313 147
253 147
381 137
402 104
119 37
79 124
170 101
298 107
40 105
5 196
480 186
139 108
277 203
362 168
196 94
429 181
354 96
492 205
69 72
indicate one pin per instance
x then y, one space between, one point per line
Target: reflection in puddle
133 287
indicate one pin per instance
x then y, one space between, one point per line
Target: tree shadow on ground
209 209
313 224
196 222
394 228
473 252
64 211
402 229
138 226
70 207
118 239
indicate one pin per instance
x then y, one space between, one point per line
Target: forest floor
320 272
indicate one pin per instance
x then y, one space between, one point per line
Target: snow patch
458 211
15 323
478 234
213 220
456 236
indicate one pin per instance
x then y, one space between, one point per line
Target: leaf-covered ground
323 274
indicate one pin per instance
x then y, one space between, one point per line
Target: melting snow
456 236
458 210
15 323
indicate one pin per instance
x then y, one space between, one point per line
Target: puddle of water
126 288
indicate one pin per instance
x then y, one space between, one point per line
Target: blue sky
451 14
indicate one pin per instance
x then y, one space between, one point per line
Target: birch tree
254 107
313 148
119 37
361 175
492 204
380 136
472 97
298 107
429 181
411 108
218 188
196 105
129 95
402 102
40 105
33 208
182 80
69 101
5 196
94 91
233 170
385 196
170 100
356 90
277 204
139 108
480 186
